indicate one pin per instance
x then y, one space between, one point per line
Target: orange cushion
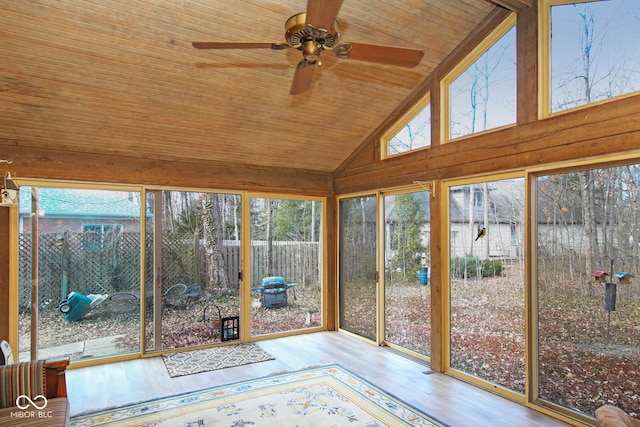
611 416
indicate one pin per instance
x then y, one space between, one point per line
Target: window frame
556 410
544 61
410 114
445 83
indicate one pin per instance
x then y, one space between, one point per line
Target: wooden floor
450 400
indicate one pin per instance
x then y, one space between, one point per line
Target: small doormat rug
321 396
210 359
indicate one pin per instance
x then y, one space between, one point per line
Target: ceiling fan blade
302 77
322 13
239 45
379 54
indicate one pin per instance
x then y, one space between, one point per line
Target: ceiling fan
315 31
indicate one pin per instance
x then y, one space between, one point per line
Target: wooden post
34 272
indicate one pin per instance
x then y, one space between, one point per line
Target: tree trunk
485 220
270 216
588 217
217 278
167 214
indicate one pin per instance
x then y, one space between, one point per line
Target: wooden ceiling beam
513 5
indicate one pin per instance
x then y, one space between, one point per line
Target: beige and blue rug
320 396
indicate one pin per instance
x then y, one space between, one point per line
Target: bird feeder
610 296
599 276
623 277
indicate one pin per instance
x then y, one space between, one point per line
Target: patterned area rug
321 396
210 359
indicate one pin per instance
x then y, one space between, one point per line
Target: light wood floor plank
448 399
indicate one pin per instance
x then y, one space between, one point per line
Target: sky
614 66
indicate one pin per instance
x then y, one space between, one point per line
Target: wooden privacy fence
103 263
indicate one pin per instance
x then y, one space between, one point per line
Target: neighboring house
63 210
505 211
505 218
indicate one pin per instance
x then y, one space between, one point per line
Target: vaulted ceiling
121 77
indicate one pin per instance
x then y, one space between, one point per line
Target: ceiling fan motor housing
309 39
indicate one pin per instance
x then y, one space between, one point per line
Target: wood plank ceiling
121 77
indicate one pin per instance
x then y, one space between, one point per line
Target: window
411 132
96 236
593 50
358 268
478 199
487 283
286 264
480 94
587 222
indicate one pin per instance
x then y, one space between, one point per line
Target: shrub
471 267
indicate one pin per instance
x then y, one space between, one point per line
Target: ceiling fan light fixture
311 50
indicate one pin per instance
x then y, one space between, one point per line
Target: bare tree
213 239
413 129
271 206
587 39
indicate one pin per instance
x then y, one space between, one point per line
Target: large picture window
108 263
594 52
588 297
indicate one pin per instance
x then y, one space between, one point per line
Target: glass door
486 282
586 232
78 249
407 291
358 266
286 264
192 272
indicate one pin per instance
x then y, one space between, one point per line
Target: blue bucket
424 275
